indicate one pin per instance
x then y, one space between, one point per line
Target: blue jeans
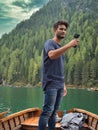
52 100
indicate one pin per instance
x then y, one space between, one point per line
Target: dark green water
21 98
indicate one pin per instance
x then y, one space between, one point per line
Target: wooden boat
92 89
28 120
4 113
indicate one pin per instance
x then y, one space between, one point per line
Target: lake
21 98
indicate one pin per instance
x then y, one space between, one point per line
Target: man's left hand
65 91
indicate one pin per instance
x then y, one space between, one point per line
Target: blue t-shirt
52 70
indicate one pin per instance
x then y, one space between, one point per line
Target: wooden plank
12 123
94 123
97 126
21 118
6 125
16 121
26 116
90 119
17 128
1 126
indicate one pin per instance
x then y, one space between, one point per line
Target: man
53 75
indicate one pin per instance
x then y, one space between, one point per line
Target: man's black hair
60 23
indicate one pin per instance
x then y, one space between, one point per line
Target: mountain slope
21 49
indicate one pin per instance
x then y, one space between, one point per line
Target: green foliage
21 49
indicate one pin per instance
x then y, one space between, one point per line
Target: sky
13 12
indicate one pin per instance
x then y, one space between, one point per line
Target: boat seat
32 124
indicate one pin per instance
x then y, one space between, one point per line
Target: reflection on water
21 98
81 98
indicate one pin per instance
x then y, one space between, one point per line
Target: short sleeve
49 45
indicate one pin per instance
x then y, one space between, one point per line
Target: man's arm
54 54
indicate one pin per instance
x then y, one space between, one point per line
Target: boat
28 120
4 113
92 89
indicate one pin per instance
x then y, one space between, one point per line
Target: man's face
60 32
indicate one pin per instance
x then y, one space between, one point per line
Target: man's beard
60 37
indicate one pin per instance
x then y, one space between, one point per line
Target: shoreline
94 88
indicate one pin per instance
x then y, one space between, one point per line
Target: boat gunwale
38 109
16 114
84 112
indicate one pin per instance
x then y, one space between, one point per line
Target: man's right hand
73 43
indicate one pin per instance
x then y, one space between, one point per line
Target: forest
21 50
